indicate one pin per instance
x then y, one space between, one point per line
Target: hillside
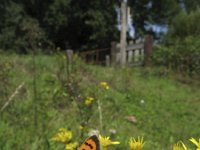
139 101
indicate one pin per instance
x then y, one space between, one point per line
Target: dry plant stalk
100 115
12 96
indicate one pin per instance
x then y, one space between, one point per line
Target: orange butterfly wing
92 143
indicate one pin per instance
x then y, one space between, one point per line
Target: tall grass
166 110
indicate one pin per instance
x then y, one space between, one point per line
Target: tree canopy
151 12
77 24
62 23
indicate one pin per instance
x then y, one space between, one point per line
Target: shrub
181 49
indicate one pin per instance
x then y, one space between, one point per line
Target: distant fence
96 56
134 53
137 53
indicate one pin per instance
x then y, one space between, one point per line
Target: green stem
100 115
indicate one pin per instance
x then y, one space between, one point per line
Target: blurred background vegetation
42 90
51 24
89 24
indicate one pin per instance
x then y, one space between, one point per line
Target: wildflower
62 136
104 85
105 141
195 142
71 146
81 127
88 101
136 144
179 146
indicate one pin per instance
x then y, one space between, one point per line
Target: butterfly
92 143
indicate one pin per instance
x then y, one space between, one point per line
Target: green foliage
181 51
21 32
58 14
185 24
92 24
148 12
159 12
77 25
5 83
61 91
191 5
183 56
64 23
56 21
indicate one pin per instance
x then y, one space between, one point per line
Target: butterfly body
92 143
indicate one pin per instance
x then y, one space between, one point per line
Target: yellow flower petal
195 142
71 146
81 127
179 146
63 136
104 85
136 144
89 101
105 141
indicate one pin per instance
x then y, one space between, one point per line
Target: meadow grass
165 109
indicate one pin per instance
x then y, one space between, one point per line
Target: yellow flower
71 146
107 87
81 127
105 141
179 146
136 144
88 101
195 142
62 136
104 85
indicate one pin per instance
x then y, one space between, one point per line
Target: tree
152 12
16 30
56 20
184 25
92 23
2 12
67 23
181 49
190 5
